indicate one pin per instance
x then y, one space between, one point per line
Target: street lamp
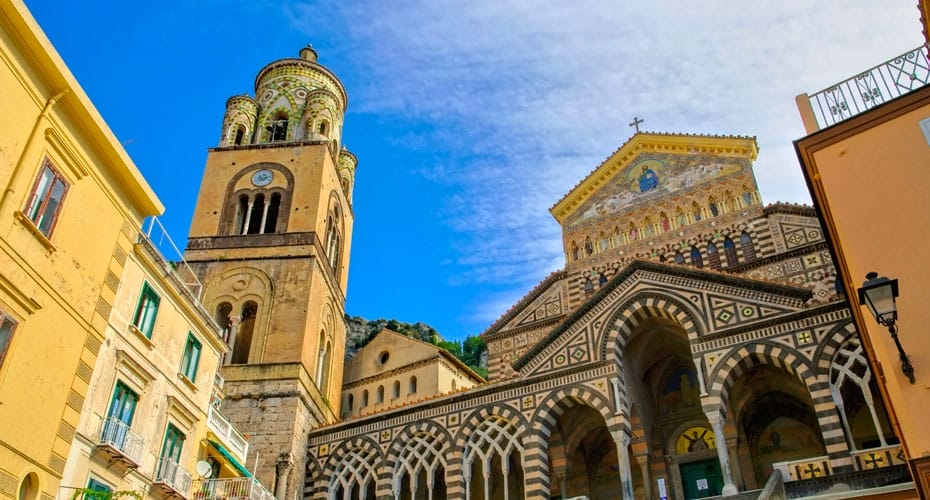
878 293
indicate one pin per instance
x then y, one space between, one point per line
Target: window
729 249
191 357
278 130
351 402
413 385
119 417
45 201
696 259
174 443
146 311
749 252
679 258
240 134
380 394
98 489
713 258
365 398
7 325
396 389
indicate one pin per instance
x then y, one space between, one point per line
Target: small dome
308 54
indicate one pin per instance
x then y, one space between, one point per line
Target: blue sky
470 119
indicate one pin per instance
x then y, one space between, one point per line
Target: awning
229 456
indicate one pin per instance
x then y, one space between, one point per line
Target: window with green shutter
146 310
191 357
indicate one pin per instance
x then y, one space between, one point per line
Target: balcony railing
118 437
805 468
233 488
169 473
858 94
228 433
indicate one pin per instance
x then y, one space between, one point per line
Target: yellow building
865 160
394 370
149 422
71 205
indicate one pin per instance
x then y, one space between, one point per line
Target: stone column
622 439
233 326
737 467
282 468
716 422
643 461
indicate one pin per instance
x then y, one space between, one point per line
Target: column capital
284 463
621 437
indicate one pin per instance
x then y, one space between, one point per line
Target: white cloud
530 96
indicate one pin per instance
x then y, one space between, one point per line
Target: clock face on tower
262 178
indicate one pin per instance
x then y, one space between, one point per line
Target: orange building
865 160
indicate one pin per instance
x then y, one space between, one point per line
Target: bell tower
269 240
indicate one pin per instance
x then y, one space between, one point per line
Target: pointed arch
748 356
729 250
696 259
645 305
713 257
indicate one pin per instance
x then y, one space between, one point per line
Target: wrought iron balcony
118 441
228 434
232 488
171 478
868 89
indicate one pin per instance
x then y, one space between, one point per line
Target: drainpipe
43 116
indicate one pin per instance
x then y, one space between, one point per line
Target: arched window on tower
713 258
696 259
747 197
323 363
240 135
256 213
749 251
242 344
351 402
277 128
324 128
271 216
223 319
729 249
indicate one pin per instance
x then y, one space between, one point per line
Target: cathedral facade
694 344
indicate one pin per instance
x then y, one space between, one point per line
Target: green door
701 479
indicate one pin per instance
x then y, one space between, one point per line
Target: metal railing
805 468
228 433
116 434
868 89
232 488
159 238
168 472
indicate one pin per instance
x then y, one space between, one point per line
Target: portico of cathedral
693 344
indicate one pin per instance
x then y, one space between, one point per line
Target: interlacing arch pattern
850 366
356 463
496 436
422 447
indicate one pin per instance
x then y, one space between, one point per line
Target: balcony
119 443
227 433
171 480
893 78
232 488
